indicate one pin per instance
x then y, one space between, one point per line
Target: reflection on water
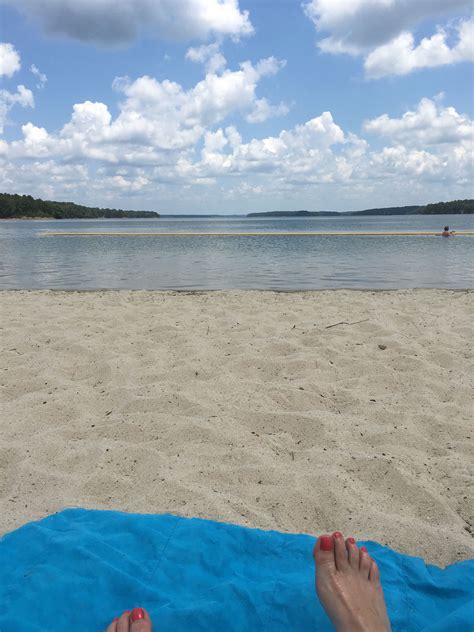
28 260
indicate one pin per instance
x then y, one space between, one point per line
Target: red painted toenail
351 540
137 614
363 549
125 612
327 543
337 534
116 619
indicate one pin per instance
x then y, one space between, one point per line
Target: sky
234 106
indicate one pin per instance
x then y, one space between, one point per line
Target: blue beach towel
78 569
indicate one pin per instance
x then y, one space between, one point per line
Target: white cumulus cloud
383 32
22 96
157 120
108 22
303 154
9 60
429 124
365 24
401 55
165 135
209 55
264 110
171 117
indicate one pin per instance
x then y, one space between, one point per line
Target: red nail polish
351 540
363 549
116 619
337 534
137 614
327 543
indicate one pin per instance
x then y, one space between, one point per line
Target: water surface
30 260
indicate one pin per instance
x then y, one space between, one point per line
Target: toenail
137 614
126 612
351 540
363 549
327 543
337 534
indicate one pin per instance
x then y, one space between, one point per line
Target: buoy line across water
256 234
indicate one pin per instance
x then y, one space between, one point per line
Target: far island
441 208
26 207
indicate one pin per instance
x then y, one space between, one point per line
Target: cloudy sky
231 106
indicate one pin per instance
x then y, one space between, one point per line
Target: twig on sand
207 332
344 322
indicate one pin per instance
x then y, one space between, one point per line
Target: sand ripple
244 407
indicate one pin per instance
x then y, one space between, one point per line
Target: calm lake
30 259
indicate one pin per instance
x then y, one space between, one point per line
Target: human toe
123 623
364 562
374 573
113 626
323 552
352 553
340 552
140 620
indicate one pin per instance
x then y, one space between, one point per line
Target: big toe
140 620
323 554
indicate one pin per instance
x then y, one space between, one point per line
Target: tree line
13 206
446 208
440 208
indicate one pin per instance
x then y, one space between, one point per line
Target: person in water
446 232
347 583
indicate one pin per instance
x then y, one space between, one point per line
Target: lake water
28 259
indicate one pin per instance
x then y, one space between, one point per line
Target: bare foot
348 585
136 621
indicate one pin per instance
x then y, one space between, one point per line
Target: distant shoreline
342 215
14 206
22 219
60 219
456 207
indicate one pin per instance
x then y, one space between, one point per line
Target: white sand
244 407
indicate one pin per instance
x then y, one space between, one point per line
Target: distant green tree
446 208
14 205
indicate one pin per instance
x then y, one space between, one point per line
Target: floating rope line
259 234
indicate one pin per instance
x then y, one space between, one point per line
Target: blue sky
226 106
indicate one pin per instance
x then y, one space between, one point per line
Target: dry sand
244 407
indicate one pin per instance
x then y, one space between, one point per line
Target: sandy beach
301 412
